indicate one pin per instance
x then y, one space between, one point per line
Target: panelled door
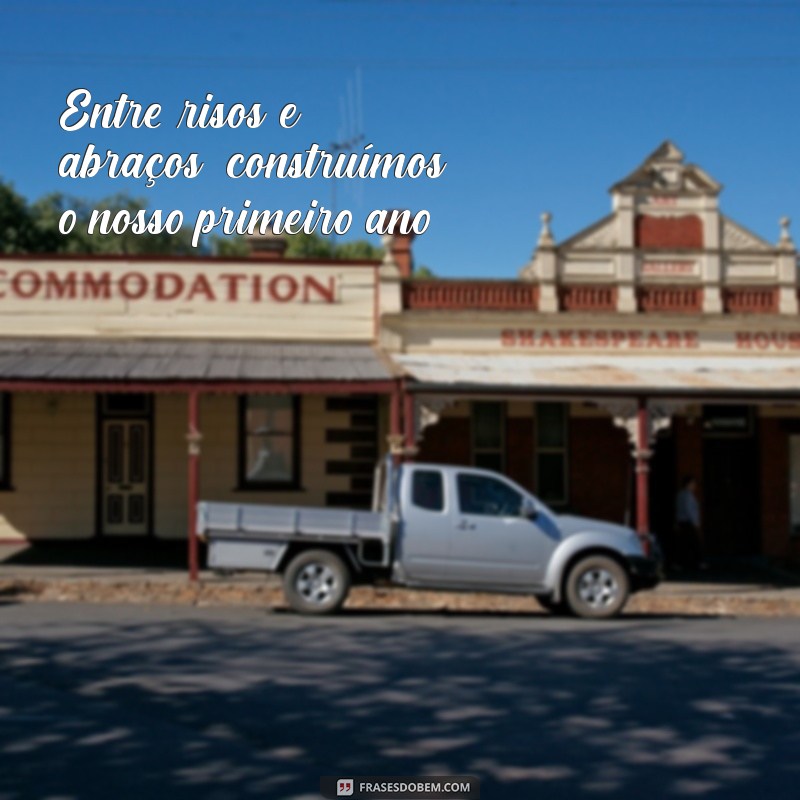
125 477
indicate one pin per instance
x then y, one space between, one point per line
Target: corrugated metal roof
186 360
695 374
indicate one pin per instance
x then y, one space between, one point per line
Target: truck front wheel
316 582
597 588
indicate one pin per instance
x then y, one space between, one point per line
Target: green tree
359 249
303 245
17 229
229 246
33 228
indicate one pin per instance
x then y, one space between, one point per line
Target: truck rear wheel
597 588
316 582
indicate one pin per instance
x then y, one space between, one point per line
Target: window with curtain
269 441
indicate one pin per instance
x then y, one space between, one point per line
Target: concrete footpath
723 590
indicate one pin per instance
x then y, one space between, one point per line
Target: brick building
661 341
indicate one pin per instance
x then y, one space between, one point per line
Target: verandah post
396 422
409 424
193 438
642 467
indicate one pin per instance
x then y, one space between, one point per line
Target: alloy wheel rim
598 588
316 583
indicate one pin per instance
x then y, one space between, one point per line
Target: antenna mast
350 127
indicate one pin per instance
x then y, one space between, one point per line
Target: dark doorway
730 491
663 487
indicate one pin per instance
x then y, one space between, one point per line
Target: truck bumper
645 573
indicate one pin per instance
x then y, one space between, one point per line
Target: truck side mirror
528 509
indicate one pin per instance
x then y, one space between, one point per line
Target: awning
72 360
662 375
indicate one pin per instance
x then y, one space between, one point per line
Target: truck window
427 490
480 494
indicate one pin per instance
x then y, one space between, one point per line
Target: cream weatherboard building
117 374
662 341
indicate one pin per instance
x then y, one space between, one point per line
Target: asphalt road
149 702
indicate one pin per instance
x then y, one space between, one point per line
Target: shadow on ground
261 705
101 553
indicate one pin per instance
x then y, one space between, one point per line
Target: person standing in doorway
687 525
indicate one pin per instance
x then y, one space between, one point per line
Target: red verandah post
409 423
396 421
642 468
193 438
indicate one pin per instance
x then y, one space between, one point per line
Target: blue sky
535 105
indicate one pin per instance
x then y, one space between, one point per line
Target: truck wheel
597 588
316 582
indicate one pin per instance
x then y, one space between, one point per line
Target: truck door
425 535
491 544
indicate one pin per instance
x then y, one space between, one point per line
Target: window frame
472 475
243 483
5 434
442 488
475 451
562 450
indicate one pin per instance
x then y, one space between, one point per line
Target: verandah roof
604 374
72 360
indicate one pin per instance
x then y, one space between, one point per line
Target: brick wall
599 468
447 442
669 233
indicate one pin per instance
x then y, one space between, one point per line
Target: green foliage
33 228
424 273
229 246
309 246
302 245
17 229
359 249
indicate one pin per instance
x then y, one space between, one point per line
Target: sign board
275 300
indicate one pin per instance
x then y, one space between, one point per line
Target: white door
125 462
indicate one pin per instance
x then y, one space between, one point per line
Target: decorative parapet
581 297
750 299
461 295
670 299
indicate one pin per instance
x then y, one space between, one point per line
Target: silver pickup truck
435 527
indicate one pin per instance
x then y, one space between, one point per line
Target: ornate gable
737 237
664 170
600 236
